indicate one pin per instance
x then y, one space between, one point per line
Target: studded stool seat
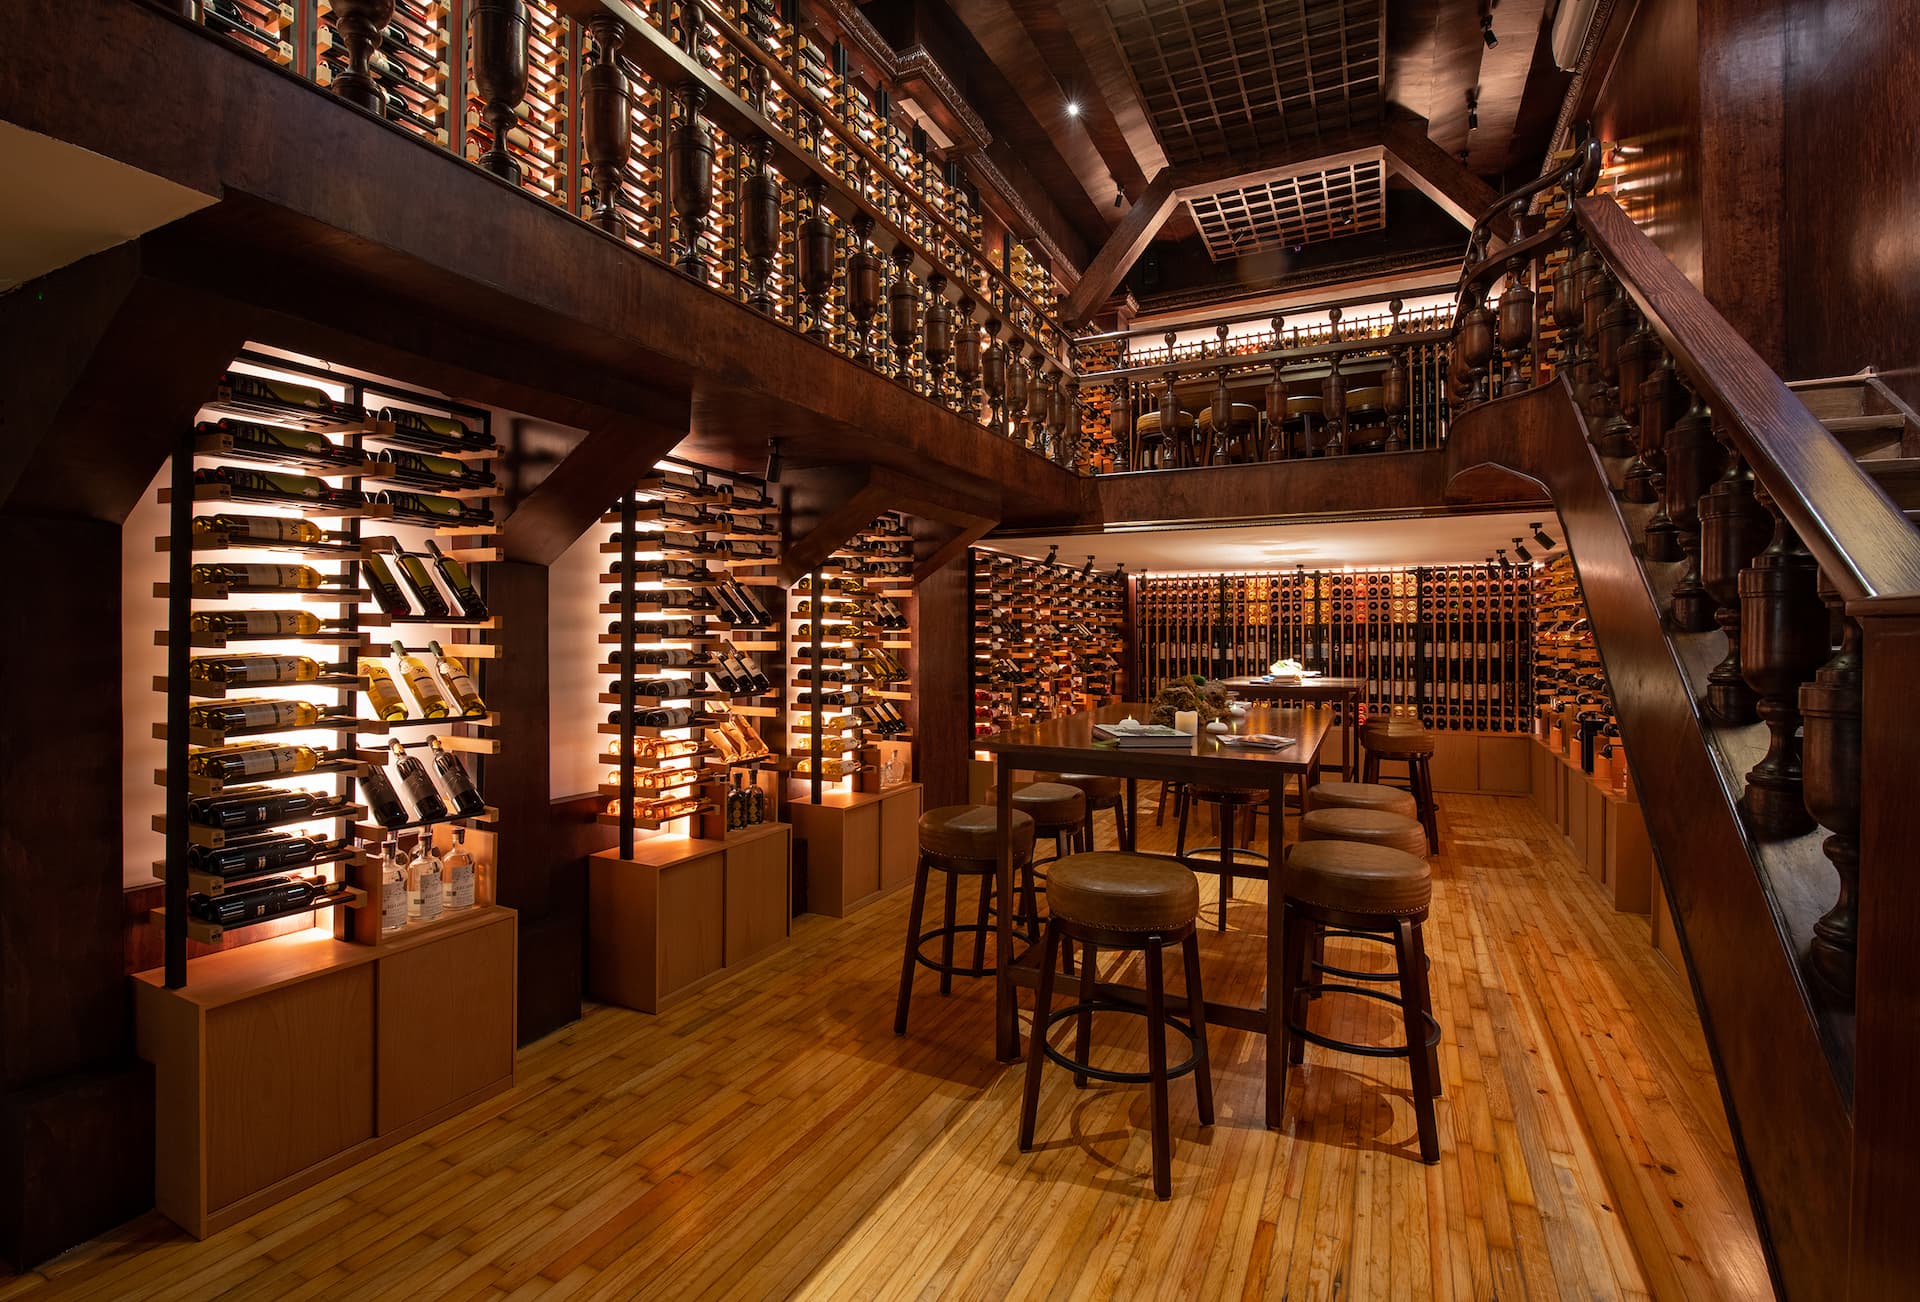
962 841
1368 399
1094 786
1354 877
1397 737
972 832
1049 804
1361 795
1405 741
1114 891
1365 827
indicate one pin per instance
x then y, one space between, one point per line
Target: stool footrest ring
1240 856
920 941
1366 1050
1192 1061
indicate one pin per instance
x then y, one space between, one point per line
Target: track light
1119 196
1506 564
1473 108
1520 550
1492 571
1486 28
1120 572
1087 569
1052 552
773 462
1541 536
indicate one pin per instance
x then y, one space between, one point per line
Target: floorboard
771 1137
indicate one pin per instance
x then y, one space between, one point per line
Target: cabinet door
899 837
759 873
446 1020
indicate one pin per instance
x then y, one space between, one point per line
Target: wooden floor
772 1138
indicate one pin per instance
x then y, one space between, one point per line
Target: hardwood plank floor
772 1138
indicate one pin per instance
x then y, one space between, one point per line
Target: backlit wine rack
1573 702
325 533
267 27
693 655
1449 645
411 64
1047 640
849 694
539 139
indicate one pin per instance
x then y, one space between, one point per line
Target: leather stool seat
972 832
1361 795
1241 415
1351 877
1305 404
1149 422
1369 399
1365 827
1049 804
1397 737
1113 891
1096 787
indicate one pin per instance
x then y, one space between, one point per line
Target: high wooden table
1069 746
1345 691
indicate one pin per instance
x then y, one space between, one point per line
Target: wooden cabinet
281 1063
858 845
681 910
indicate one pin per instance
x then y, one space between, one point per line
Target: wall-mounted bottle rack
1047 639
323 530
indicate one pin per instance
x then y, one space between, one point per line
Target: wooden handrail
1303 309
1358 347
1861 539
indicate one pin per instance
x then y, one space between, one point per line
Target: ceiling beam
1117 256
1436 173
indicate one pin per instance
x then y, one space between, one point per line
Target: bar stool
1365 827
961 841
1366 410
1372 891
1101 793
1057 810
1223 445
1410 742
1158 446
1128 902
1230 803
1360 795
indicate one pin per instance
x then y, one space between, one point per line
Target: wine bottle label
459 886
425 894
265 528
459 683
267 621
262 714
264 760
270 669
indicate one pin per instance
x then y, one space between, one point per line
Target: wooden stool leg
1030 898
1299 952
1083 1024
1160 807
1226 864
1197 1018
980 936
1120 822
1086 835
1411 954
913 946
1423 792
1180 835
1371 771
1036 1052
1157 1071
946 941
1289 978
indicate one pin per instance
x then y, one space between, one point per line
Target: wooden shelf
215 691
215 838
216 592
210 933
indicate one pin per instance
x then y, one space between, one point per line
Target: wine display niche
327 641
1047 639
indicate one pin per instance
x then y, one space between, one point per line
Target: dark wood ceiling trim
1128 241
1437 174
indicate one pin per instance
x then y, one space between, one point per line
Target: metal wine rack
1047 639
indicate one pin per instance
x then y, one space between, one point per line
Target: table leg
1276 1009
1350 738
1006 1019
1133 816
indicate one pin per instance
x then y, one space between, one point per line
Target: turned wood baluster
498 31
1220 415
1037 402
1515 326
993 374
1566 317
1636 358
1072 431
1663 400
1474 341
693 24
360 24
1057 417
1171 450
1120 422
1398 385
863 284
760 221
1333 397
1783 640
815 259
1277 440
936 333
1016 387
1831 771
1733 529
966 357
1617 321
1694 459
690 176
606 123
903 312
1608 432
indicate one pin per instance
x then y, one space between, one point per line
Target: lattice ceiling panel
1294 210
1224 78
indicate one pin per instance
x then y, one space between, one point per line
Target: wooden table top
1069 746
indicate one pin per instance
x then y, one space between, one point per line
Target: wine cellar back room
840 649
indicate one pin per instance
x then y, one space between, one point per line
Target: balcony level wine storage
325 542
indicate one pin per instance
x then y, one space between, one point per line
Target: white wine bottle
458 680
260 670
454 575
266 530
257 623
258 578
253 714
383 692
256 759
433 703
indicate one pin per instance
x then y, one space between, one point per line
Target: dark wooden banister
1861 539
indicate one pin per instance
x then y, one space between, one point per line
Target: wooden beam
1117 256
1196 181
951 549
841 501
1436 173
614 455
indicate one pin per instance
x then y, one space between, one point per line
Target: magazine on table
1258 741
1131 732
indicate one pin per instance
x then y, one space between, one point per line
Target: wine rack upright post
627 600
179 657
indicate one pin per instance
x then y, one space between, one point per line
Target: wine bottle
453 776
249 856
273 898
413 572
255 806
433 473
382 800
435 433
433 704
667 716
255 759
257 578
278 443
272 396
393 887
245 485
383 692
432 509
757 682
252 714
255 623
454 574
458 873
458 681
385 588
724 679
270 530
428 807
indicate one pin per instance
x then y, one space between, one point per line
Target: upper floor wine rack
1047 639
326 630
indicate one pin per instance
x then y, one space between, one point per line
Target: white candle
1186 720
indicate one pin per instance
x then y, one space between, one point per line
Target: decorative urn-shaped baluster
760 221
1016 386
1220 415
1663 400
1071 431
1398 386
966 356
1694 461
360 24
903 312
1733 529
1516 324
1333 397
690 176
936 333
863 284
815 259
1474 340
1617 321
993 375
498 29
1277 402
1637 357
1830 770
606 122
1783 639
1037 398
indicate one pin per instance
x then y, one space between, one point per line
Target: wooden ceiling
1292 211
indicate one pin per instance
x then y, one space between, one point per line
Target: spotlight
1068 93
772 476
1073 108
1473 108
1087 569
1506 565
1486 29
1052 551
1119 197
1492 572
1520 550
1120 571
1541 536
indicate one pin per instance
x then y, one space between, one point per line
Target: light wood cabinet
858 845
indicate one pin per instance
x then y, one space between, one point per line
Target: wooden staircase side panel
1787 1111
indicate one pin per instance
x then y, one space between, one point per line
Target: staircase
1751 562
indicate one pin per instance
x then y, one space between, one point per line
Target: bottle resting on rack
254 759
453 776
386 589
383 802
270 530
257 807
256 670
419 581
382 692
459 682
252 714
428 807
255 623
269 852
459 583
257 578
432 702
273 898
